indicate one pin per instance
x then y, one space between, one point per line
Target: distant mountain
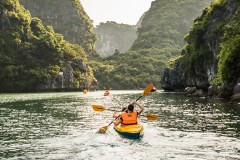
34 57
112 37
160 37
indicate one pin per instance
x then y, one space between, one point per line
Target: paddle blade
153 90
151 117
103 129
148 89
98 108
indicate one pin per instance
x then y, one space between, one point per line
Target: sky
120 11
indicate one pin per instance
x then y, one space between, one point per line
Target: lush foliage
160 38
30 53
214 29
128 70
166 23
67 18
229 63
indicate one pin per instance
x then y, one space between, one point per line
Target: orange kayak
106 93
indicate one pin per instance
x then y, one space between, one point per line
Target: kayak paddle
148 89
100 108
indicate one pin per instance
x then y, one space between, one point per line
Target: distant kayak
106 93
130 131
85 91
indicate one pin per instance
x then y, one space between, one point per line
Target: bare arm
115 114
140 106
117 122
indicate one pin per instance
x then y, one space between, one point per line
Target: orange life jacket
129 118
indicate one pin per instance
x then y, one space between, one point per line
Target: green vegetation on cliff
67 18
224 33
165 24
32 56
127 72
112 36
212 52
160 38
229 63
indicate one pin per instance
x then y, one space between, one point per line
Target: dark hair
130 107
124 108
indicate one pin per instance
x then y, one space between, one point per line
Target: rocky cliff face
199 63
160 37
34 57
164 25
67 18
113 36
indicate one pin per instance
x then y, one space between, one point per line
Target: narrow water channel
63 126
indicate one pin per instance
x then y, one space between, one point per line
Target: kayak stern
130 131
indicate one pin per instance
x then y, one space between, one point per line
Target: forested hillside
33 57
112 37
211 56
67 18
160 38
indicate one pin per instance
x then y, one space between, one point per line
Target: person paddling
130 117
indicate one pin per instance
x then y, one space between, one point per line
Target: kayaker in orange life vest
131 116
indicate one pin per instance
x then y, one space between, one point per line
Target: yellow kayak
130 131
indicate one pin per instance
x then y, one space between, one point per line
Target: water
63 126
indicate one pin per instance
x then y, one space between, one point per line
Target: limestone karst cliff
33 57
160 37
112 36
211 56
67 18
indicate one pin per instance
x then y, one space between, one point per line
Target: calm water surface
63 126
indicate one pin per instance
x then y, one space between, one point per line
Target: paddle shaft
139 97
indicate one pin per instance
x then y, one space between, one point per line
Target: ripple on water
64 126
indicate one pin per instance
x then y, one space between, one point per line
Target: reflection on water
177 112
63 126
